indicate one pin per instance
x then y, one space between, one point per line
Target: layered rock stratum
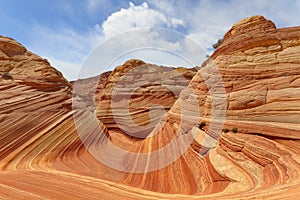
51 131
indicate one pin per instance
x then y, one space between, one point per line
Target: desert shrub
234 130
225 130
7 75
201 125
217 44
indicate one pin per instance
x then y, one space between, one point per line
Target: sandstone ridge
254 76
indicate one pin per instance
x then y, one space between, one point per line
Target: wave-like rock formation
229 130
138 93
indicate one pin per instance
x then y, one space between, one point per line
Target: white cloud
137 16
130 33
203 21
67 49
208 20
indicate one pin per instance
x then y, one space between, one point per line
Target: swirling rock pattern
134 88
42 155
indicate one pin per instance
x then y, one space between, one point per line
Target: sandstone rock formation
134 88
251 83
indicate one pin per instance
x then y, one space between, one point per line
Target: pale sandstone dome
259 66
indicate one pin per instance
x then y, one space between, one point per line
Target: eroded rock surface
253 76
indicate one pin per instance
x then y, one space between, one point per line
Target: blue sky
66 31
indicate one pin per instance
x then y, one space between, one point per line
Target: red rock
259 69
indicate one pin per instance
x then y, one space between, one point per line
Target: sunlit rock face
137 94
260 66
168 121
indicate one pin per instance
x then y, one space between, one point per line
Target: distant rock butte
259 67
